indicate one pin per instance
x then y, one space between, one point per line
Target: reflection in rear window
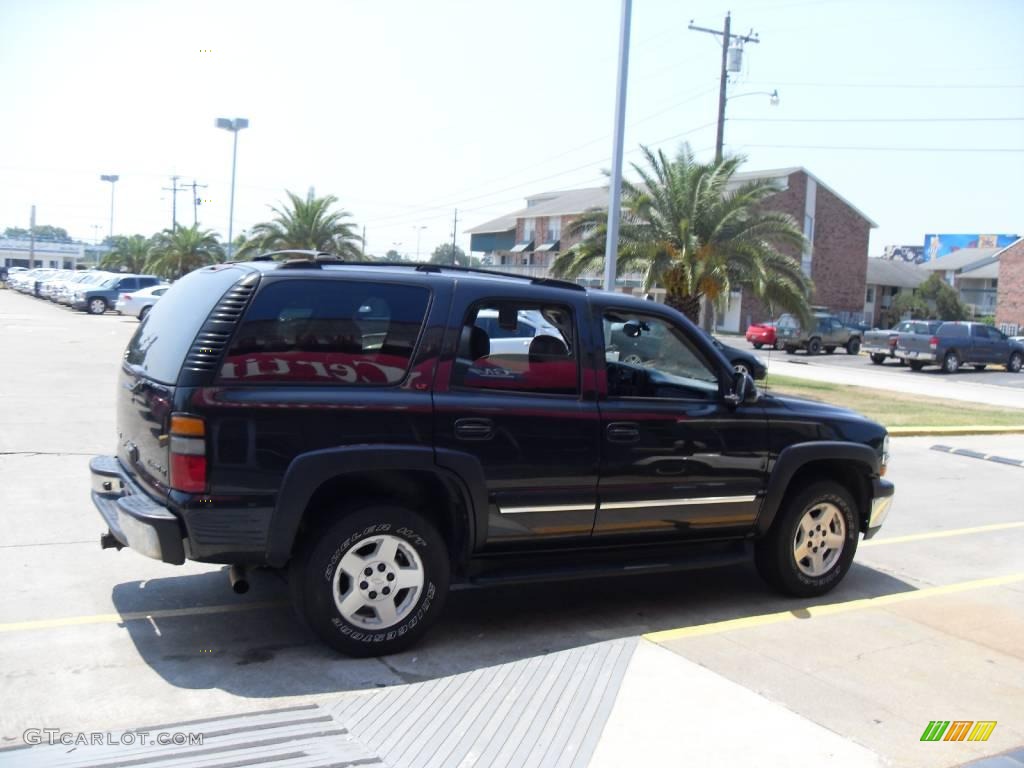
327 332
952 329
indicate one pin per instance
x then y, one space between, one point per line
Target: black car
350 424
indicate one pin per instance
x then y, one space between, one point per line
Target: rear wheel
757 344
371 582
853 346
778 344
1013 365
878 359
915 365
97 306
951 362
814 347
812 541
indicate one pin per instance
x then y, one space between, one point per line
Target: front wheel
878 359
373 581
812 541
778 344
1014 363
814 347
97 306
853 346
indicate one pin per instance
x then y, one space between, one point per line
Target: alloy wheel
819 539
378 582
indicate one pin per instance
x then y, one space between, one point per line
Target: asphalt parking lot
927 626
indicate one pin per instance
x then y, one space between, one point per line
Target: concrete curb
954 431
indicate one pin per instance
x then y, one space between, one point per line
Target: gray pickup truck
956 344
881 345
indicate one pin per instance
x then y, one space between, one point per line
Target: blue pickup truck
956 344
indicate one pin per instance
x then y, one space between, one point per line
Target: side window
146 282
515 346
127 284
647 356
979 331
327 332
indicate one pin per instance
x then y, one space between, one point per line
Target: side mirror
631 329
744 390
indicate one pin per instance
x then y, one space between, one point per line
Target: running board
563 566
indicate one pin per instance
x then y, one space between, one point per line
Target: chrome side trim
550 508
677 502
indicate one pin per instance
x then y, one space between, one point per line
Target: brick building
527 240
1010 290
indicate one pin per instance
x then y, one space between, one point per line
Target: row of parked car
917 343
94 291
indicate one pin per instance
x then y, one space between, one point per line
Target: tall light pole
234 126
419 231
611 246
112 178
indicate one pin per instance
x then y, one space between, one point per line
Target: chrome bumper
881 502
924 357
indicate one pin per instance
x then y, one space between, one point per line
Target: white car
138 303
508 341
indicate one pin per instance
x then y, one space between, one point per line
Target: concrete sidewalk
930 384
615 703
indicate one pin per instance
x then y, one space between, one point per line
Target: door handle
623 432
474 429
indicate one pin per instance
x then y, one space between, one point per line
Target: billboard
937 246
912 254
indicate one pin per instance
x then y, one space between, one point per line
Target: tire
829 350
902 361
143 312
814 347
951 362
853 346
757 344
96 306
318 579
790 350
821 512
878 359
1013 365
915 365
778 344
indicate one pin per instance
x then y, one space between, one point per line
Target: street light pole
611 246
112 178
419 231
234 126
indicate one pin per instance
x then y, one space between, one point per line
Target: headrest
474 343
547 346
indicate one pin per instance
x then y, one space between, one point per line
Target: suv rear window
159 346
327 332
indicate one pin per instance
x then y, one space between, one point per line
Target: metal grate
213 337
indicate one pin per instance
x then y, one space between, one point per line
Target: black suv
352 423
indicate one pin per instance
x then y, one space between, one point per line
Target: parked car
826 332
881 345
646 347
742 360
66 291
763 335
97 299
138 303
265 419
960 343
513 333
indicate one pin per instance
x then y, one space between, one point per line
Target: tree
129 254
175 253
906 304
393 256
686 230
943 301
306 224
43 232
446 253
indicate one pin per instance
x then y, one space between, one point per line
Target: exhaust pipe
239 580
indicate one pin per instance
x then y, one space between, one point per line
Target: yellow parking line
941 534
118 618
718 627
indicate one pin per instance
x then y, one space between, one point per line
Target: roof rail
549 281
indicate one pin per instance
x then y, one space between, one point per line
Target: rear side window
327 332
952 329
159 346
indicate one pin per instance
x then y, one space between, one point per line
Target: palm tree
177 252
686 230
306 224
128 253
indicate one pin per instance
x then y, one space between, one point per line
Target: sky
912 110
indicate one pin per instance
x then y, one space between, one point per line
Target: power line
886 149
874 119
934 86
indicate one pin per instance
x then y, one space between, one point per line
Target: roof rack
549 281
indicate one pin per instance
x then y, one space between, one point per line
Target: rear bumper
882 495
134 518
877 349
924 357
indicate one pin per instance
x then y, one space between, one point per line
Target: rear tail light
126 296
188 454
933 342
894 341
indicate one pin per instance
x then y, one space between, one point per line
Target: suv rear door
528 416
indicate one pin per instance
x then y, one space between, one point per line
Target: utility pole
32 239
195 202
364 242
174 190
727 67
455 230
611 245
